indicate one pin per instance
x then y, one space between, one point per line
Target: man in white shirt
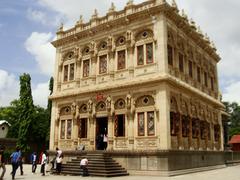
83 166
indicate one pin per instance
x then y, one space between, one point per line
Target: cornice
143 82
132 13
191 31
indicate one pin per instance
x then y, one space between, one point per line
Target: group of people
17 161
57 161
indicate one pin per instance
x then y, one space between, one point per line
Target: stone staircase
98 165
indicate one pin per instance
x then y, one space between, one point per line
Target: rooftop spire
192 23
130 2
112 8
199 30
174 5
60 27
80 21
184 15
206 37
95 14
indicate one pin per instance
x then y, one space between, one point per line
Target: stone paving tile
229 173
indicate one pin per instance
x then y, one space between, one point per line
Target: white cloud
38 44
40 94
9 88
232 93
70 10
217 18
37 16
43 17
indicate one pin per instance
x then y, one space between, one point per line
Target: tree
11 114
49 108
26 111
234 110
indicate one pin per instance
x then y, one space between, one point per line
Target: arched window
174 117
146 117
145 47
68 67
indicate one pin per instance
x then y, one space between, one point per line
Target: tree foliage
234 124
29 123
26 112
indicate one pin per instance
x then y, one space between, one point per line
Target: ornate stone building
146 75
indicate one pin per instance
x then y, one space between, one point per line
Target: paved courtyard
229 173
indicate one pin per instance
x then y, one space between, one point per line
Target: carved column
91 131
55 116
212 135
75 113
180 138
78 69
91 124
190 145
130 120
160 29
58 71
163 97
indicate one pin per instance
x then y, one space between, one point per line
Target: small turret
174 5
112 8
95 14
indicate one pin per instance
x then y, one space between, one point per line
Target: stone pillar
78 72
160 29
110 132
221 132
163 104
94 69
111 56
91 132
130 60
190 134
180 138
54 126
212 135
130 130
57 71
75 132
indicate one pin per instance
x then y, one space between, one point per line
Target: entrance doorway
101 129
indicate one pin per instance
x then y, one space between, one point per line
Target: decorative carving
84 108
90 105
145 101
101 106
65 110
120 104
73 108
108 103
128 101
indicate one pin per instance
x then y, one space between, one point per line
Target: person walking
2 162
59 163
20 162
43 162
83 166
15 156
34 162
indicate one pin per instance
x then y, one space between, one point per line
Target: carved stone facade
145 76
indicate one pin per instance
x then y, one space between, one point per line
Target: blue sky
27 27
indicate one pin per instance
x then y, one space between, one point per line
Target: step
92 167
99 165
96 170
96 174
